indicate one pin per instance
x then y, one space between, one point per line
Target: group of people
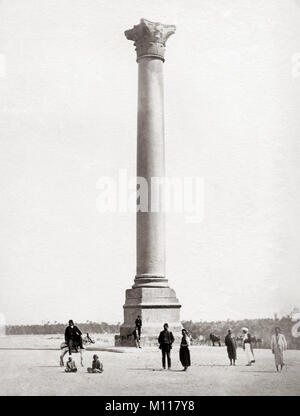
231 345
278 347
97 366
73 340
165 341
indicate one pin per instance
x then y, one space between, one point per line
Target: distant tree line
59 328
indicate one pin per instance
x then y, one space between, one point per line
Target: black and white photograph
149 200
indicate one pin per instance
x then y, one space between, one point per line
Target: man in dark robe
165 341
231 347
73 337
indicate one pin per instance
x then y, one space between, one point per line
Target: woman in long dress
230 343
278 346
247 346
184 352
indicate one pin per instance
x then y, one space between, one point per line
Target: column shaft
150 231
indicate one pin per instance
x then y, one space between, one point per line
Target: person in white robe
278 346
247 347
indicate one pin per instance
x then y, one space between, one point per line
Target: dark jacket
165 337
138 322
72 333
248 339
230 341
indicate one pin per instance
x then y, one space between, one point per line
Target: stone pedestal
156 306
150 297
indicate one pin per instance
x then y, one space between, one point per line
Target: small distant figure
184 352
73 337
138 325
136 337
71 366
247 346
165 341
278 346
97 366
215 339
230 343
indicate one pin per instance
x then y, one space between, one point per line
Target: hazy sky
68 99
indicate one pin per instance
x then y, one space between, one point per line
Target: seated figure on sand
97 366
71 366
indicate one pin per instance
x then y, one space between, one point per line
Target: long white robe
248 351
278 346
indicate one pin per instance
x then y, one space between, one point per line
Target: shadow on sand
156 369
47 366
214 365
259 371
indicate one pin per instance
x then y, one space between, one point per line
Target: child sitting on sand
97 366
71 366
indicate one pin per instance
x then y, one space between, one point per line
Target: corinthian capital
150 38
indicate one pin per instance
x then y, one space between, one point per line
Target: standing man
165 341
73 337
136 338
230 343
247 346
138 325
278 346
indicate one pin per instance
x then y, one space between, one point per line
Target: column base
149 280
156 306
145 341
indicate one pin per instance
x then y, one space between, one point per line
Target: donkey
215 339
64 349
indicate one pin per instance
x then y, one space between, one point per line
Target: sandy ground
137 372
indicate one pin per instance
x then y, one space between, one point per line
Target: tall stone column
150 296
